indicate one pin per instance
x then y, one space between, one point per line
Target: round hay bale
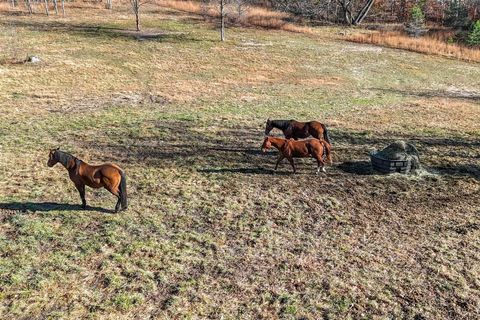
400 156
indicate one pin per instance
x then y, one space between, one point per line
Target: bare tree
55 6
108 4
240 8
363 12
46 8
63 8
204 8
136 4
348 7
222 20
28 4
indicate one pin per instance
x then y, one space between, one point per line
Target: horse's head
52 157
268 126
266 144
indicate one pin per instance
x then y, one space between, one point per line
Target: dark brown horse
289 148
298 130
108 175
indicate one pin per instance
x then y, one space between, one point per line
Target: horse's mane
281 124
64 157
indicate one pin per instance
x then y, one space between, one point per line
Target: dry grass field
426 44
211 232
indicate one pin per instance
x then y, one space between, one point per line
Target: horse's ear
58 148
268 120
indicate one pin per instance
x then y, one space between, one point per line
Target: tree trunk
108 4
363 12
137 21
63 8
137 15
222 20
347 14
55 6
29 6
136 11
46 8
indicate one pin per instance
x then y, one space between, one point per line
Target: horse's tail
123 190
325 133
327 151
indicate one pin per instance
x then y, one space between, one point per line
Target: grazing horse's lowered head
268 127
280 124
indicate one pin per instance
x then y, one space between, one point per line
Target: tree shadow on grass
465 170
88 30
48 206
454 94
237 150
244 171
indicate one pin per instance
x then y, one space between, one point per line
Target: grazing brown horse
289 148
108 175
298 130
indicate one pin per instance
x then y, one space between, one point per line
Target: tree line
460 14
455 13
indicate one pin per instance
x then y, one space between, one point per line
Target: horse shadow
256 171
47 207
362 168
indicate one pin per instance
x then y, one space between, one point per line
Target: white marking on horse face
324 170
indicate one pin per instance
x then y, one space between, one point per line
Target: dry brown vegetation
251 16
436 44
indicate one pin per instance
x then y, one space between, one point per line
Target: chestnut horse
289 148
108 175
298 130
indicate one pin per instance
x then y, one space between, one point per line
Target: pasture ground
210 231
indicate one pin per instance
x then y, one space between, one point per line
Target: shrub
416 27
474 36
456 15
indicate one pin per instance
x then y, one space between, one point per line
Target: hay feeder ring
391 166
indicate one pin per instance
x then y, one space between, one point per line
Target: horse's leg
116 193
113 187
320 165
81 190
117 206
280 158
293 164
